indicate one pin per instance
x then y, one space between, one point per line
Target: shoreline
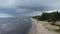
38 28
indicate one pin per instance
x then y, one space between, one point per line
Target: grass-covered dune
52 17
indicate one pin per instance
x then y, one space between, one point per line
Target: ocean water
15 22
14 25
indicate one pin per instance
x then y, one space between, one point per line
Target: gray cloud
40 4
28 6
37 5
31 4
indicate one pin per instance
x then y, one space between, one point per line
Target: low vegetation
37 17
57 30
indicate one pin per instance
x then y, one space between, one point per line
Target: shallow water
14 25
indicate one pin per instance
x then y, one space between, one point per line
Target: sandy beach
38 28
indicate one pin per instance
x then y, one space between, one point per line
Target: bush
57 30
49 19
36 17
53 23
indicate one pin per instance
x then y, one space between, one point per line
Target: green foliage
50 17
57 30
53 23
44 16
36 17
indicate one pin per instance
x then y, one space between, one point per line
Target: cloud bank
24 7
40 4
31 4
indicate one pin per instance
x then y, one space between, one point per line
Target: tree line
53 16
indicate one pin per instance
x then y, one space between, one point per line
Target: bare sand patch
39 27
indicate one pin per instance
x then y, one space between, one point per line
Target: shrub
57 30
53 23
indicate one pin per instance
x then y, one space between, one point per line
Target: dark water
14 25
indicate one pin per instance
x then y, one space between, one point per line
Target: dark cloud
40 4
31 4
41 8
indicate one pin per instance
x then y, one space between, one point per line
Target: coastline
39 28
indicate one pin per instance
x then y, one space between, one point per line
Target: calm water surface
14 25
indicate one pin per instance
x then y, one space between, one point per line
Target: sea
13 22
14 25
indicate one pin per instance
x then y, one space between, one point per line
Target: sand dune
38 28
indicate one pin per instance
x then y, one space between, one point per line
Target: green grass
36 17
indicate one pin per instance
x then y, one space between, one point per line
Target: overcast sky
41 4
29 6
